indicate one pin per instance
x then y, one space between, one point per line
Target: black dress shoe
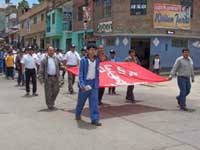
27 94
52 108
34 94
100 103
78 118
96 123
183 109
178 101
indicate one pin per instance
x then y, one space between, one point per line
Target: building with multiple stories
32 25
59 24
149 26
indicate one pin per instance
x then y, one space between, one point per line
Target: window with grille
179 43
53 18
35 20
80 13
138 7
107 6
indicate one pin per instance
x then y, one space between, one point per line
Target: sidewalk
153 123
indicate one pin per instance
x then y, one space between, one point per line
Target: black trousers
31 75
10 72
129 94
101 92
20 78
111 90
157 71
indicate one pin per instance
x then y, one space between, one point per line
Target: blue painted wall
121 49
195 53
168 54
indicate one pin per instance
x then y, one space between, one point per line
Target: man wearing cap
88 85
49 74
29 65
112 58
130 97
102 57
71 59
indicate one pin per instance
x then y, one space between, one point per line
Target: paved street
153 123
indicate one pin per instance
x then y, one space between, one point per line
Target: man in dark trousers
112 90
102 58
131 58
29 65
20 79
71 59
49 74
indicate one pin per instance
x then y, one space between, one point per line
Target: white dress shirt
72 58
59 56
51 69
91 70
29 61
156 64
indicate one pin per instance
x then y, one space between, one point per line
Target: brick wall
123 22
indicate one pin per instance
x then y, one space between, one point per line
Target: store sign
170 32
67 17
104 27
172 16
138 7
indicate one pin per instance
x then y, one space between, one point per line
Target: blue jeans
92 95
10 72
1 66
20 78
184 87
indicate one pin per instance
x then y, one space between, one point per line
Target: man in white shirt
71 59
49 74
29 65
59 55
156 64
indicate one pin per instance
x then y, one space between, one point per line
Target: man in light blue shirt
183 68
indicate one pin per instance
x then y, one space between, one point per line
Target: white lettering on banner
101 69
132 73
121 70
112 74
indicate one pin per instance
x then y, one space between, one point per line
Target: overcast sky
16 1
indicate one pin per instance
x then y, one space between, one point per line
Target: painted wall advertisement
172 16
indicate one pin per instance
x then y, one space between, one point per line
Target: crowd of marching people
50 66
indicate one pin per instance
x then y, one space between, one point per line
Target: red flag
123 73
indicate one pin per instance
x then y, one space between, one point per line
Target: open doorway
142 47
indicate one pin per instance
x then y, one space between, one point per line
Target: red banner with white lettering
123 73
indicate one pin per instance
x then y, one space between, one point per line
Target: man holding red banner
89 85
102 58
131 58
183 67
71 59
